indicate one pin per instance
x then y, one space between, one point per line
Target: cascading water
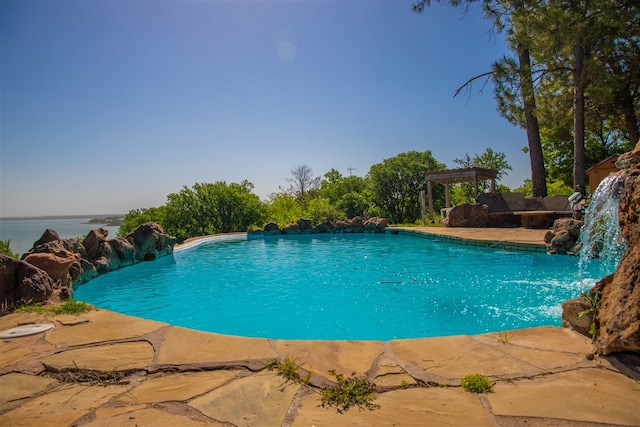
602 244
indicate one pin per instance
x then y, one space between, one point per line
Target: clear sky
108 106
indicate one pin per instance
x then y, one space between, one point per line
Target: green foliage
321 210
554 188
5 249
396 184
70 306
476 383
137 217
212 208
353 391
487 160
283 209
350 194
288 369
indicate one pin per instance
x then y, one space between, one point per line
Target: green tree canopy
397 182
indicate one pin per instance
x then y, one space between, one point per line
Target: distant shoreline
51 217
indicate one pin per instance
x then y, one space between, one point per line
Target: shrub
476 383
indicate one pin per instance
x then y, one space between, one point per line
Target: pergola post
446 195
475 183
430 195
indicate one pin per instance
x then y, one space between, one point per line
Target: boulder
344 226
577 314
325 227
48 236
272 229
291 228
357 224
304 225
94 240
467 215
150 241
125 251
565 236
21 282
495 202
618 314
55 263
375 225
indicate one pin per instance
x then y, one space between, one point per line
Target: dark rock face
495 202
467 215
565 236
21 282
271 229
150 242
618 314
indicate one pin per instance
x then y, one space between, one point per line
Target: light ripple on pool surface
354 286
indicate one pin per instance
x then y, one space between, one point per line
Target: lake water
24 232
352 286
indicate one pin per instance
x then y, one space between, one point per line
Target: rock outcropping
22 283
617 318
616 315
56 265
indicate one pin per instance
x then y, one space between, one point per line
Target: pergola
455 176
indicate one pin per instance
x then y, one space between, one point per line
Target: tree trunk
625 103
538 173
579 77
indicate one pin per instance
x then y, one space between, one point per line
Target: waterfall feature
602 245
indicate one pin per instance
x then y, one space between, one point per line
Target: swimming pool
335 286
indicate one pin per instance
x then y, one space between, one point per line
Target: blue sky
108 106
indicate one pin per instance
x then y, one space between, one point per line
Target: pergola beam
454 176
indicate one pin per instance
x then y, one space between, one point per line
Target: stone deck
107 369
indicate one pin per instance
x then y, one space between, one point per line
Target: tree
283 208
350 194
396 184
138 217
303 181
488 160
512 76
212 208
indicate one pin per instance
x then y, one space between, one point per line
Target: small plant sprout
592 298
288 369
353 391
504 337
476 383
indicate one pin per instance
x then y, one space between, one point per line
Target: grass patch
70 306
476 383
353 391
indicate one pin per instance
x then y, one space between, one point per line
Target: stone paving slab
187 346
345 357
149 417
12 352
16 386
60 407
105 358
102 326
178 387
579 395
413 407
258 400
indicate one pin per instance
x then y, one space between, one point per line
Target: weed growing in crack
288 369
353 391
476 383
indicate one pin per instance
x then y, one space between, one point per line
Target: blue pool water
355 286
